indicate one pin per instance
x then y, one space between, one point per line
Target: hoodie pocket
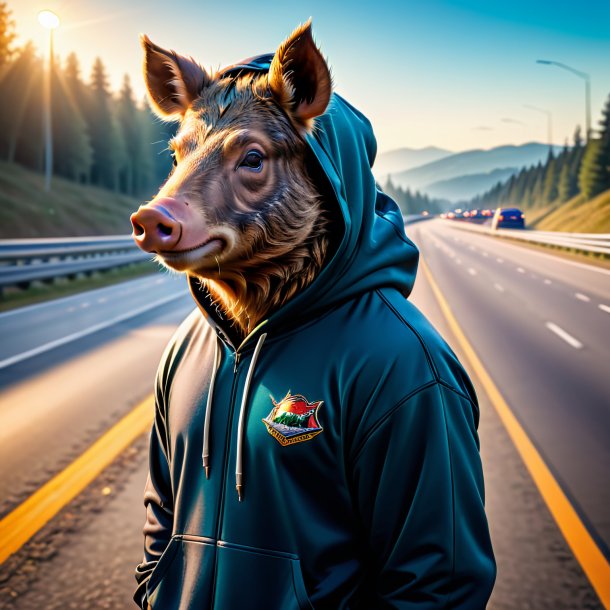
183 577
250 579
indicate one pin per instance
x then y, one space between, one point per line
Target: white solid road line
26 309
604 307
85 332
499 287
582 297
569 339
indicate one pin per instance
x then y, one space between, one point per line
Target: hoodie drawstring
239 479
208 414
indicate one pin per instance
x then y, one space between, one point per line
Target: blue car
508 218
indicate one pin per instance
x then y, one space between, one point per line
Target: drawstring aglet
206 466
239 493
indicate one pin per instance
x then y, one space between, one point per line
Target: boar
362 487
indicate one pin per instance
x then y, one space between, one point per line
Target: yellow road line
30 516
587 553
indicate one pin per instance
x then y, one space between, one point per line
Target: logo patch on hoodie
293 419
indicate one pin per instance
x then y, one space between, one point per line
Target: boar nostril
138 229
164 229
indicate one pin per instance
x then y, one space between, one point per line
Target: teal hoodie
330 461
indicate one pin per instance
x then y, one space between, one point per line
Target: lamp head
48 20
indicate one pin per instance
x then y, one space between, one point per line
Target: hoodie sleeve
158 500
418 485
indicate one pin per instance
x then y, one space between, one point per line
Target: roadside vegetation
570 192
69 210
102 139
579 215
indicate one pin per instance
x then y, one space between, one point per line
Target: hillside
472 162
402 159
70 209
466 187
579 216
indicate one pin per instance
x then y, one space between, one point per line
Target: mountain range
460 176
402 159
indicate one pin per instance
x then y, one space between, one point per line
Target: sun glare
48 19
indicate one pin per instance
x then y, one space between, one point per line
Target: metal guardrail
23 261
585 242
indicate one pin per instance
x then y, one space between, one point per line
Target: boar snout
155 229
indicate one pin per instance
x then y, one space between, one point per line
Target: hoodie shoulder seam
388 414
415 332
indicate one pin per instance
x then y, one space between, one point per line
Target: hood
374 251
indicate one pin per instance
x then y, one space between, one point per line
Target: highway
70 369
55 403
541 325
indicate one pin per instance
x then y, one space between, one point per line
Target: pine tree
551 178
73 155
7 36
590 177
604 153
538 185
109 155
17 87
563 178
127 116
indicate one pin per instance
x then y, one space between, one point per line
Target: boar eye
174 160
252 161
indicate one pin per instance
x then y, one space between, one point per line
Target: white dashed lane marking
605 308
582 297
472 271
547 282
562 334
520 269
499 287
500 260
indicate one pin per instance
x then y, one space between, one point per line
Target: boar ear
299 77
173 81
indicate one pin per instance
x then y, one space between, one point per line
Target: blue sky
454 74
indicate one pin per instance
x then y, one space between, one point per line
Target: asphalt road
541 326
53 405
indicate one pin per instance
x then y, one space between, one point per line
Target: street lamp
549 119
587 80
50 21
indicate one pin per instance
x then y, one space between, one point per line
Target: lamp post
587 80
549 123
50 21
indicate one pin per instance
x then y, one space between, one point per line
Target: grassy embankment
69 210
577 216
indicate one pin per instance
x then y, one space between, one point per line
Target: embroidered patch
293 419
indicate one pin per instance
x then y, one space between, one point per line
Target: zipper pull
236 362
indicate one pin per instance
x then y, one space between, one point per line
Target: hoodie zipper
223 479
227 449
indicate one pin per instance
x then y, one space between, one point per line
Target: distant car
508 218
